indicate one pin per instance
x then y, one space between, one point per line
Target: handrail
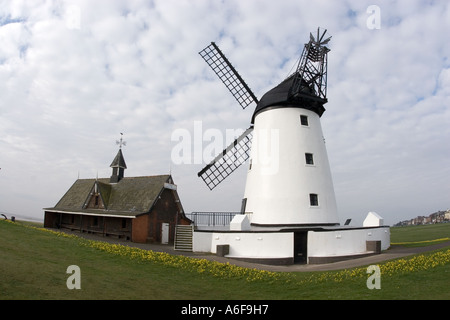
211 218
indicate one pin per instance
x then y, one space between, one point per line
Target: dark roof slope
77 195
130 197
119 160
280 96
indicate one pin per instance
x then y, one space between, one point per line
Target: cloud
390 100
74 75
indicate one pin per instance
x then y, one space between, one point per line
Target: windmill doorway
300 247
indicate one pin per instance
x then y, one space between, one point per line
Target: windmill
289 179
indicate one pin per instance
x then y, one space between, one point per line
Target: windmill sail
228 161
306 87
229 76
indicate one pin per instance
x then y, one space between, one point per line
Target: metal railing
211 218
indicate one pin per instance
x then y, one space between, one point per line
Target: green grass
33 265
421 235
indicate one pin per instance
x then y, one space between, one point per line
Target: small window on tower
313 199
309 158
304 120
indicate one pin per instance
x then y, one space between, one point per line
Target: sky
76 74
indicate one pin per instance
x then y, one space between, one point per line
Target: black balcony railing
211 218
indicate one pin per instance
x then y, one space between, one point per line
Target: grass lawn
421 235
33 265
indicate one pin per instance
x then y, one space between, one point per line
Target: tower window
309 158
313 199
304 120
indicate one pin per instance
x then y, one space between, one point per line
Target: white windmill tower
289 180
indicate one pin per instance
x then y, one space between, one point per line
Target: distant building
447 215
140 209
436 217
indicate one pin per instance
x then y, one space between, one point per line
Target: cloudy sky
75 74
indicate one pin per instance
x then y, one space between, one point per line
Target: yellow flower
229 271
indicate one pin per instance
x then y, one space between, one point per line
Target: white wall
373 220
279 181
345 242
281 244
247 244
201 241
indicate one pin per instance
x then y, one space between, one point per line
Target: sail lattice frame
228 161
228 75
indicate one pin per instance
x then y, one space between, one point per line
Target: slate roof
131 196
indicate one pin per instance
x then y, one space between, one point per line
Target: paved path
393 252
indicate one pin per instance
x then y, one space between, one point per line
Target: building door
165 233
300 246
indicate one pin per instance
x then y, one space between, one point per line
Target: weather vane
121 142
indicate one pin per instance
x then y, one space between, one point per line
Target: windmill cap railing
211 218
